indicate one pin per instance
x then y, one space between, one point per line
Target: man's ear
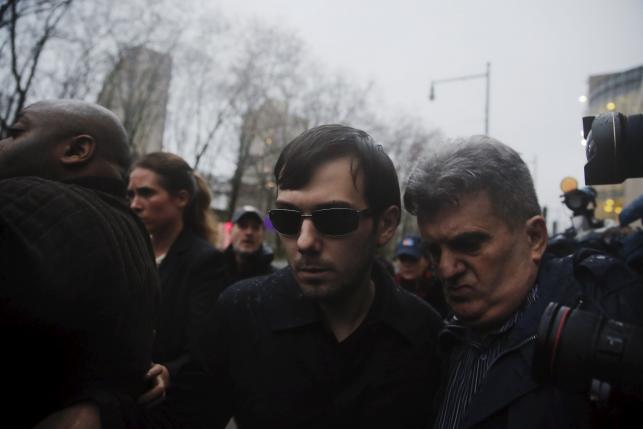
536 229
387 225
78 150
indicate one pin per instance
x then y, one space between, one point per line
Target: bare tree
66 49
406 141
263 73
334 98
28 27
239 91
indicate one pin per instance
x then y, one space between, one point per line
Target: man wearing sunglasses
329 341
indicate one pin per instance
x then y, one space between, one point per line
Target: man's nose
308 239
449 265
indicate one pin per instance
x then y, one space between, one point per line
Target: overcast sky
541 54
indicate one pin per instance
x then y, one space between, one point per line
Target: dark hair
176 175
312 148
468 166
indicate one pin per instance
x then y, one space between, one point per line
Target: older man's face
487 267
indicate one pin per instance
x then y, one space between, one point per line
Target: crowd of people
118 311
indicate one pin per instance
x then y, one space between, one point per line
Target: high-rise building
137 91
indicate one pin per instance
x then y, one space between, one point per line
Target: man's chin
246 251
466 312
316 290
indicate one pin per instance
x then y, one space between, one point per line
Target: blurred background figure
586 230
632 243
414 273
247 255
173 203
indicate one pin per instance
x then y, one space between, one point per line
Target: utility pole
485 75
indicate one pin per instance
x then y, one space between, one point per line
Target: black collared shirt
274 363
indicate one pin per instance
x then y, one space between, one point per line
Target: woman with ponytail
173 203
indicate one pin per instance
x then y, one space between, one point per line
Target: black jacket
78 295
191 280
511 396
258 264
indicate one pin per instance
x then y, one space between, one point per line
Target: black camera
614 148
575 347
580 350
581 202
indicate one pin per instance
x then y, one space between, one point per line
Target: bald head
60 139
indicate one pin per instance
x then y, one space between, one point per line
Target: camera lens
575 346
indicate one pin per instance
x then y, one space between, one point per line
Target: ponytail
197 214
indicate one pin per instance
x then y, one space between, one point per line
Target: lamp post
485 75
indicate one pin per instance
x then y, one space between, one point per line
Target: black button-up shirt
272 362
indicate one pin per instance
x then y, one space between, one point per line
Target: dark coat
191 281
258 264
511 396
429 288
78 295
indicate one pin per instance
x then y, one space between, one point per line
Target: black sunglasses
335 221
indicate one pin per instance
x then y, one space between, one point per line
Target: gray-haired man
477 207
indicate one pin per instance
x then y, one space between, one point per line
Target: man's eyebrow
332 204
285 205
326 205
469 236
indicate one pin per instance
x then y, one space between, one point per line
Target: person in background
413 273
173 203
78 286
247 255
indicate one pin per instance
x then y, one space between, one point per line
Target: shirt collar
105 184
455 332
294 310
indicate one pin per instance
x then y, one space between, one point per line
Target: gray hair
469 166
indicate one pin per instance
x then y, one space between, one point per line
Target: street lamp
485 75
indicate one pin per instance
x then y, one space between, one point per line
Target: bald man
78 286
62 139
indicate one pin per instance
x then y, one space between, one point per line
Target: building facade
137 91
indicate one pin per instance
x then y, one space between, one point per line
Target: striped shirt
471 356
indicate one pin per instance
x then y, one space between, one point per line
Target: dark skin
66 139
